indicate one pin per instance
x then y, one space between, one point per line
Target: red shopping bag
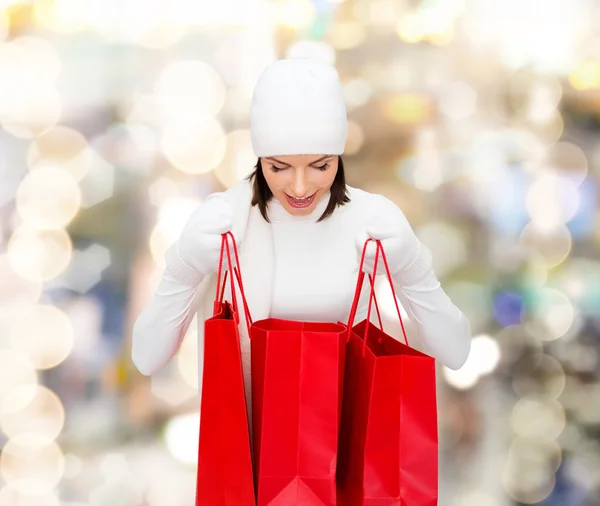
388 436
224 460
297 382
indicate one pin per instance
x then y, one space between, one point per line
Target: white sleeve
161 326
443 328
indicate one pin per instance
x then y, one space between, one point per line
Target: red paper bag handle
359 284
236 276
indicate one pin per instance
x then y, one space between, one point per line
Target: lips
300 203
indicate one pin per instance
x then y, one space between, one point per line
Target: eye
321 167
277 169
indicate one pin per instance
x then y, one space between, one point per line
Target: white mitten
407 257
197 251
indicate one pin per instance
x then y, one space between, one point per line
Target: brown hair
262 193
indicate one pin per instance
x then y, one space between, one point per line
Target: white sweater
295 268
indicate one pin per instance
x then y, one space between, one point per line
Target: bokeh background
480 118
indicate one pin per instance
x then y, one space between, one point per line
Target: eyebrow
288 165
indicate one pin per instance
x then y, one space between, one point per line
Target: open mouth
301 203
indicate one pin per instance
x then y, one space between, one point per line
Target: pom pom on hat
298 108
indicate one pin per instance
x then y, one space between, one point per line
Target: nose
299 186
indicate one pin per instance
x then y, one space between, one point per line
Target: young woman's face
299 181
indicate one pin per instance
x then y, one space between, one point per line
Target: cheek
326 179
275 181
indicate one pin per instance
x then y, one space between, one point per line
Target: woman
300 231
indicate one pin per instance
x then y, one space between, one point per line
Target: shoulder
238 195
372 203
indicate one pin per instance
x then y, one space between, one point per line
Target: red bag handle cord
361 277
358 289
221 288
238 276
235 276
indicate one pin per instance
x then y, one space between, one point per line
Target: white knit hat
298 109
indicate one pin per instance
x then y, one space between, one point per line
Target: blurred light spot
447 245
64 16
4 25
16 292
181 435
408 109
552 245
355 139
458 101
194 145
174 214
113 466
85 269
28 102
552 200
159 243
486 353
543 100
508 308
42 63
540 458
41 112
409 28
554 309
32 409
579 279
483 359
98 184
124 492
357 92
545 379
585 75
172 389
463 378
13 496
64 147
149 24
550 131
238 103
130 147
190 88
45 334
296 14
430 23
187 357
16 369
48 198
536 272
311 49
164 35
569 159
73 466
162 190
538 418
239 160
39 255
346 35
427 174
32 463
176 487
